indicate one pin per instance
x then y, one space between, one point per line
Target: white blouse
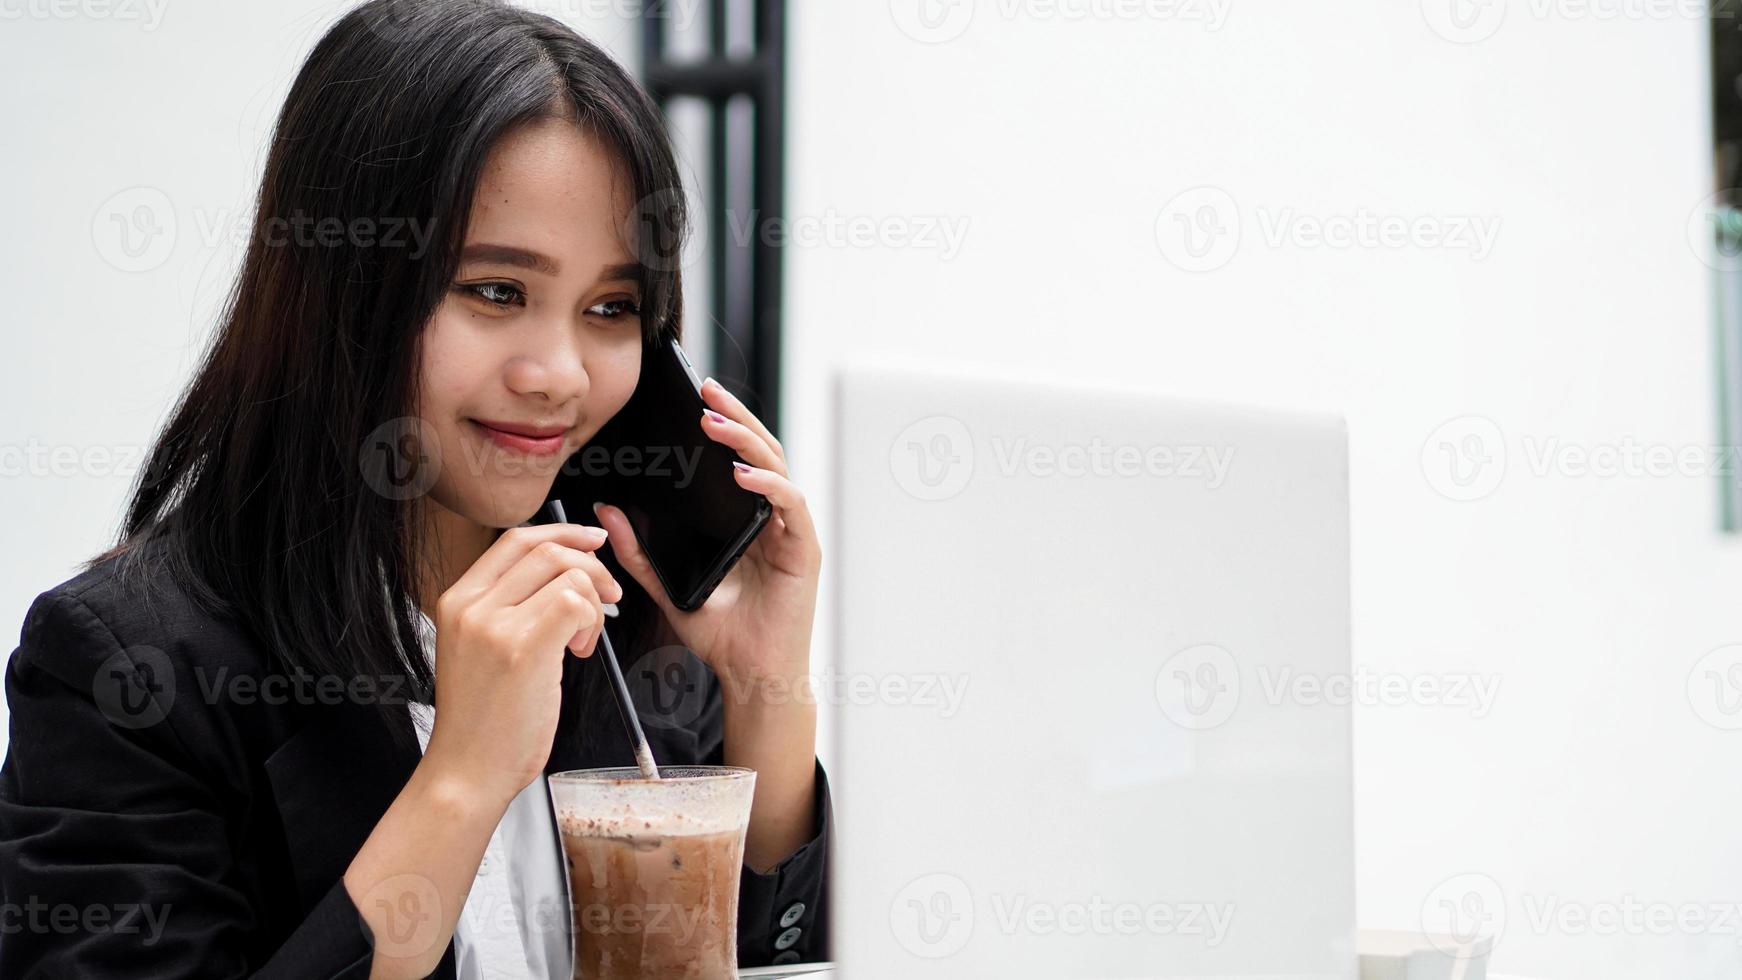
514 924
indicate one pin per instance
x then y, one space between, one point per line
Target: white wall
1592 781
163 112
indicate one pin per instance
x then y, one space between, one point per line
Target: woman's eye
614 308
499 294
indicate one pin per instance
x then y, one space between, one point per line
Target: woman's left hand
757 624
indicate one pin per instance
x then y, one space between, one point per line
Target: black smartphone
675 484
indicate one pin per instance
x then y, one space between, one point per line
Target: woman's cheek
445 348
626 371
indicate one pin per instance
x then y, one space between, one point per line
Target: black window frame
744 275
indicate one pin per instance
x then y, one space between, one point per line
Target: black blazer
159 820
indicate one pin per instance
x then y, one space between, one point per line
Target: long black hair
262 496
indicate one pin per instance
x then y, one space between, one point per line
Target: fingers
720 400
545 561
514 544
566 612
627 549
743 439
788 500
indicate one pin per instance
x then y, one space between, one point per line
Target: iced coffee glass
653 868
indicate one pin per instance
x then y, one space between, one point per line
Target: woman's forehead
553 188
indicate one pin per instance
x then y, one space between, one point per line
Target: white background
1060 141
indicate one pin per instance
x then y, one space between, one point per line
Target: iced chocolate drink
653 869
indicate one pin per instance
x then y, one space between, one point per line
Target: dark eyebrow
509 255
538 262
621 272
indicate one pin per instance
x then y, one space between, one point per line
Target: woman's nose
557 370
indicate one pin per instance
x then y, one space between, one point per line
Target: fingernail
596 506
741 467
709 380
716 416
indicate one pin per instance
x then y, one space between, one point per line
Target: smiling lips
533 440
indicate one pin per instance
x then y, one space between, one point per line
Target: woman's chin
505 511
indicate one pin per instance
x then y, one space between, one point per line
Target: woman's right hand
501 631
500 634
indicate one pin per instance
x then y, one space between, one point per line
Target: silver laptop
1077 633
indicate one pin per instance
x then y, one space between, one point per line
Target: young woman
462 248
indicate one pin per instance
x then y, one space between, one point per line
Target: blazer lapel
332 781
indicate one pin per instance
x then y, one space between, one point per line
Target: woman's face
539 331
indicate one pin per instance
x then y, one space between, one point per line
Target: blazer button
786 938
781 959
791 914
